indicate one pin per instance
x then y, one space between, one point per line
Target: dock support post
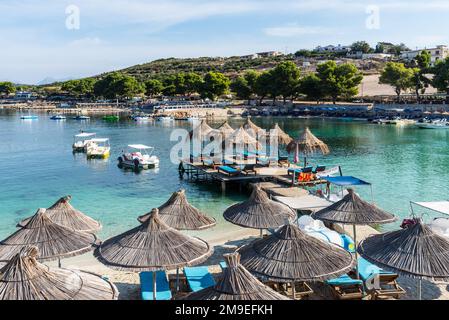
223 187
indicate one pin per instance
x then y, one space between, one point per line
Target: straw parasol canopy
259 212
290 254
416 251
282 137
253 129
152 246
23 278
307 144
236 283
203 130
225 129
53 240
354 210
65 215
240 136
178 213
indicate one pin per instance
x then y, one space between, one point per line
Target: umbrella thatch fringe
353 210
308 144
259 212
236 283
225 129
291 255
53 241
178 213
23 278
64 214
152 246
203 130
416 252
253 130
282 137
241 137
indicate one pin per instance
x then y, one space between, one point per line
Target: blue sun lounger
384 285
223 265
347 288
198 278
228 170
162 286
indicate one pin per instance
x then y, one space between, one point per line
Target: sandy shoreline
128 282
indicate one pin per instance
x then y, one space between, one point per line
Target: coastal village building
439 53
331 48
269 54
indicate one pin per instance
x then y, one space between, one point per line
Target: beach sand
128 282
225 242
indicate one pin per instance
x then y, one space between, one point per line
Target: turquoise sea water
37 167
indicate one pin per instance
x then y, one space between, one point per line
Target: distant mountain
50 80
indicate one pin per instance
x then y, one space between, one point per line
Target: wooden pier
281 182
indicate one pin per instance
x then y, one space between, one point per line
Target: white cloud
294 30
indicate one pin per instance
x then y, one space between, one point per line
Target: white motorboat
138 156
435 124
81 140
165 118
98 148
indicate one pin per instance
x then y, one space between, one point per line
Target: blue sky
113 34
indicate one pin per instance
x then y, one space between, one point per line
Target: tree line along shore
331 81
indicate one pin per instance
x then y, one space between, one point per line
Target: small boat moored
434 124
58 117
30 117
81 140
81 118
98 148
138 156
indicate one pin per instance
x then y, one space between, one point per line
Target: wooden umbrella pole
420 289
154 285
59 262
261 233
177 279
354 231
293 290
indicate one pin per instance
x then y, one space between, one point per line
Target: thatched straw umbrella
152 246
178 213
225 130
65 215
254 130
202 129
53 240
281 136
236 283
243 138
354 210
416 251
307 144
23 278
259 212
290 255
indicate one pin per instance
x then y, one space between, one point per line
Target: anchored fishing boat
81 118
58 117
98 148
138 156
434 124
29 117
81 140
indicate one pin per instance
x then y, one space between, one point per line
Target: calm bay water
38 167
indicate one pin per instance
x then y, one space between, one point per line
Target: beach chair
211 163
294 171
223 265
346 288
348 243
198 278
319 169
384 286
249 168
162 286
283 160
228 170
302 289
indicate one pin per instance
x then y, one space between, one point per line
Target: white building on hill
438 53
